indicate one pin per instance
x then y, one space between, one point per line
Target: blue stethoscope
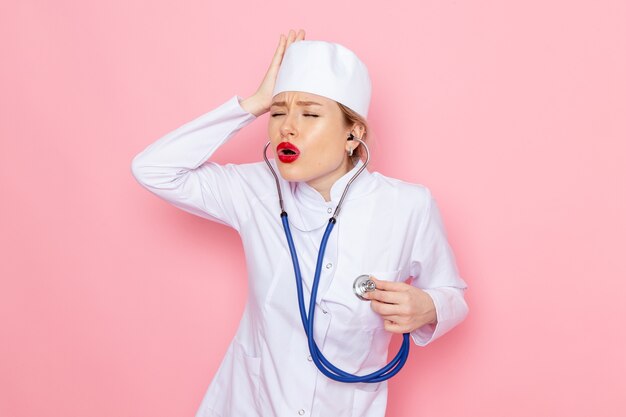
361 285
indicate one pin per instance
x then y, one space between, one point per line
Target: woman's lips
287 152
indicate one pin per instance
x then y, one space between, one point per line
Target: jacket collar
307 208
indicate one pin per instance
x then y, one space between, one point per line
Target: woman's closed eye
305 114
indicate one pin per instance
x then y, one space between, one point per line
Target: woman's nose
288 127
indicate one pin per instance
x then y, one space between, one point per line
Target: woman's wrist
253 105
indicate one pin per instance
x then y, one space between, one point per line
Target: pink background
113 303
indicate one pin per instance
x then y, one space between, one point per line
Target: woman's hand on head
261 100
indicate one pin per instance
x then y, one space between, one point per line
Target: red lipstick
287 152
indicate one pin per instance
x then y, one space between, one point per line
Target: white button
329 265
301 412
310 359
330 210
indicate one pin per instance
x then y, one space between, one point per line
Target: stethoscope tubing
323 364
327 368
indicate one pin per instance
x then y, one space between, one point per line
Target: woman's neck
324 183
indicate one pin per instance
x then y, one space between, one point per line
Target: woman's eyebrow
299 103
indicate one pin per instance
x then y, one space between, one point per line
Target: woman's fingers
291 37
278 54
389 285
392 327
260 102
396 319
385 309
386 296
402 304
284 43
389 292
294 37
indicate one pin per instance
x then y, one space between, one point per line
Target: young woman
318 96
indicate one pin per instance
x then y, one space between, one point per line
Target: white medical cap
326 69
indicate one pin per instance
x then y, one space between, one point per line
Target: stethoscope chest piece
363 284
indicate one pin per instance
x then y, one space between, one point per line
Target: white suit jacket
394 231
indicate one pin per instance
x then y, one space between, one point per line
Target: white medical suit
387 228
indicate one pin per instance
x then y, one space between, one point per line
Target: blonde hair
350 117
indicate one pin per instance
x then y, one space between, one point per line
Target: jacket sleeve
175 167
434 265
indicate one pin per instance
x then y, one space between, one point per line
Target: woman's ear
358 130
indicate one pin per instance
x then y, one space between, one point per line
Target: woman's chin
290 176
290 172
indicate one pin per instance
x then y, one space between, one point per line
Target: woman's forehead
300 98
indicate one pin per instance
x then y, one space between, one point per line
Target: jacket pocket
239 386
369 399
386 275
